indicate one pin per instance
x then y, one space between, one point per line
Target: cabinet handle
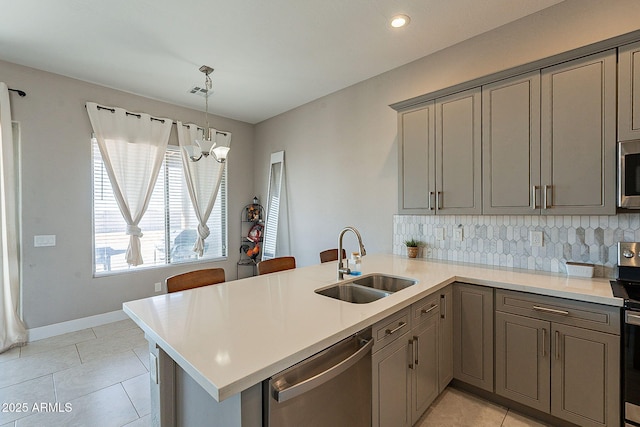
557 344
550 310
544 342
411 359
443 304
534 193
431 195
416 349
438 200
396 329
427 310
547 188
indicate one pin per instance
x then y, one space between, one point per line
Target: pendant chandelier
208 145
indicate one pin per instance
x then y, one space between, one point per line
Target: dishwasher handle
284 394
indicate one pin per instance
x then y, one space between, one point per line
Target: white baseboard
75 325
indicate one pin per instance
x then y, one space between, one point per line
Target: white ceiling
269 56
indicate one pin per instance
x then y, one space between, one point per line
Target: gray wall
341 149
56 195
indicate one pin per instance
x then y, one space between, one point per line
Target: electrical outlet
535 238
158 287
458 234
440 233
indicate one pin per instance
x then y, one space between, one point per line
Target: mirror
276 178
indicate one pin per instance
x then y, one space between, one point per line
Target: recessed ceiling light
399 21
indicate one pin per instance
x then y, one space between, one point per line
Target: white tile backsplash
503 240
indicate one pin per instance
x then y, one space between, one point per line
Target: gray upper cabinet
416 130
578 136
537 143
511 145
629 92
440 156
459 151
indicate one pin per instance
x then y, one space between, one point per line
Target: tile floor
102 375
457 408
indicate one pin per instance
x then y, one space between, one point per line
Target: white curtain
203 179
12 330
132 148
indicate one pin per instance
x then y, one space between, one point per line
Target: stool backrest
276 264
195 279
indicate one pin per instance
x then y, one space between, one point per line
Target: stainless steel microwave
629 174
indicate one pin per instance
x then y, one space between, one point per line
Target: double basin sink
365 289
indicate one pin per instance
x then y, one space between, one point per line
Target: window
169 226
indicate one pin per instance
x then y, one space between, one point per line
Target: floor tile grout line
30 379
505 417
130 400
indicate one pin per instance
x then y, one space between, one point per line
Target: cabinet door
458 153
629 92
578 124
585 376
391 389
445 350
473 335
424 369
511 145
416 157
522 360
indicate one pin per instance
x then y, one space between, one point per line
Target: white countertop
233 335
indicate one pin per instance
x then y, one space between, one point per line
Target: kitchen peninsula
212 347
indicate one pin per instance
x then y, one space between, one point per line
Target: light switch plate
458 234
440 233
158 286
44 240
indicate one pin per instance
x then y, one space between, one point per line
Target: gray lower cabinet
445 356
629 92
424 367
473 335
523 360
391 391
558 356
406 359
585 372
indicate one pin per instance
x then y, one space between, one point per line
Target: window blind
169 226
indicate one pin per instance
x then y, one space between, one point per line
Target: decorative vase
412 251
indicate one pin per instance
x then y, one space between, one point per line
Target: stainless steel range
627 286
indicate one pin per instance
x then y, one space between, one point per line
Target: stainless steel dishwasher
330 389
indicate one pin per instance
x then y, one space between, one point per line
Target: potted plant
412 247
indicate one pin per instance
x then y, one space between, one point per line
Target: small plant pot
412 252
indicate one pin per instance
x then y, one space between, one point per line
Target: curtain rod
19 92
113 110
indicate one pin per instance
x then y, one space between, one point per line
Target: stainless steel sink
384 282
366 289
353 293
